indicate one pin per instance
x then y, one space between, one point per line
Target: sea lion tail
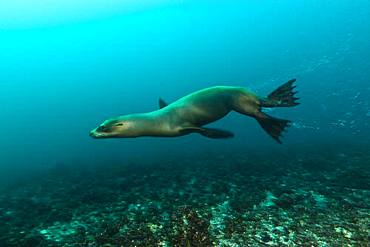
283 96
273 126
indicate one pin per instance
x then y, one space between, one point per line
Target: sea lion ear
162 103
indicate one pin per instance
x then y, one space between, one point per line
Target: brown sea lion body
190 113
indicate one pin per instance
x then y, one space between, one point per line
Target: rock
285 201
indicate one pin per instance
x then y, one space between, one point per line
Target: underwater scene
185 123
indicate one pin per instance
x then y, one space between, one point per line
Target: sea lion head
115 127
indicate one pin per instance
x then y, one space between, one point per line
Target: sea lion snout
100 131
110 128
95 134
92 133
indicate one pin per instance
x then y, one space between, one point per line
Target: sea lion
190 113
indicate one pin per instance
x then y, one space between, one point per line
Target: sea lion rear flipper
283 96
273 126
208 132
162 103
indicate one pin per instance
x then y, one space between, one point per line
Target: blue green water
66 67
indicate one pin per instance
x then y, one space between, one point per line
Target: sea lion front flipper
208 132
162 103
